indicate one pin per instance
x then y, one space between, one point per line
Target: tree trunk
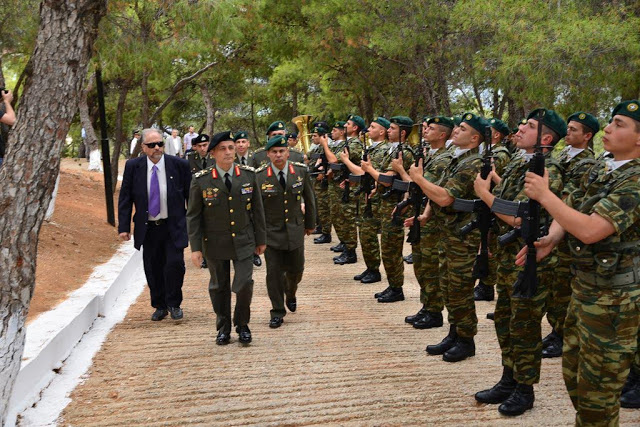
63 47
119 133
294 100
208 105
91 139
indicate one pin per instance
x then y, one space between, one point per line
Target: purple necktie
154 193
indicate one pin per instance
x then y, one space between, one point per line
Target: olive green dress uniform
259 158
227 225
371 226
286 224
197 162
248 161
296 155
601 328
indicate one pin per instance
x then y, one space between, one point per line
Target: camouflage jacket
575 168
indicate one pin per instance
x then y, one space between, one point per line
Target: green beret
456 120
552 120
358 121
382 122
218 138
277 141
240 135
443 121
279 125
402 121
476 122
586 119
629 109
339 124
500 126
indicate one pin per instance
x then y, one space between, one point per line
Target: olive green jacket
195 161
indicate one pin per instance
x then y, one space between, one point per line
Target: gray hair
147 131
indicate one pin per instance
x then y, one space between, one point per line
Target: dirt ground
77 239
341 359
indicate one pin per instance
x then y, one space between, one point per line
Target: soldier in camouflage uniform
392 234
427 252
343 203
260 155
576 160
320 184
244 155
457 182
198 157
370 224
517 319
601 219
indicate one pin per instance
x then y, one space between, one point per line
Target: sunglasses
154 144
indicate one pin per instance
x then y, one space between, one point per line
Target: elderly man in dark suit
158 187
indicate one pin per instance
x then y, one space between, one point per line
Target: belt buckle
158 221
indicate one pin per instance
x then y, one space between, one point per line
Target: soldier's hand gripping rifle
345 177
416 200
366 185
483 217
527 282
390 179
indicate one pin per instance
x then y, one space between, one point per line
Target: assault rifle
366 185
320 169
416 199
527 281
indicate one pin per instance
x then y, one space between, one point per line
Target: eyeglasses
154 144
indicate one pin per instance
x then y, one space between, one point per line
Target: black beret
220 137
292 135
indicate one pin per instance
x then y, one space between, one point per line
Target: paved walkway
342 358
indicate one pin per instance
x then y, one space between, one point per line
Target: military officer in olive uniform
225 220
198 156
295 154
244 155
260 155
285 186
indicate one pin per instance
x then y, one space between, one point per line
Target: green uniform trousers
426 266
284 273
370 227
324 206
344 216
391 243
559 292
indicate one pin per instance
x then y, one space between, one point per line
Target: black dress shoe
159 314
340 247
394 295
490 316
256 260
630 397
414 317
382 293
176 313
429 320
499 392
276 322
553 349
463 349
444 345
203 264
347 257
408 259
483 292
520 401
223 338
361 275
323 238
244 334
292 304
372 277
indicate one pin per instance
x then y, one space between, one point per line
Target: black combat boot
340 247
414 317
444 345
490 316
394 295
630 397
373 276
347 257
430 320
464 348
521 400
361 275
382 293
499 392
483 292
553 347
549 338
408 259
323 238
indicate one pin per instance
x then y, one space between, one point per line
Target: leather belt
617 281
160 221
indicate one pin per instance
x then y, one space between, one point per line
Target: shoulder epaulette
247 168
204 171
190 153
302 165
259 150
261 168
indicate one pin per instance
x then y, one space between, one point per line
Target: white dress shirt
162 181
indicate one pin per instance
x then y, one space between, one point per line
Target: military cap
321 124
442 120
456 120
500 126
203 137
319 128
586 119
358 121
629 109
402 121
339 124
279 125
425 119
550 119
382 122
476 122
220 137
277 141
292 135
240 135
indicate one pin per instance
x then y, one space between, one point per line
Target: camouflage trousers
391 243
491 278
459 256
559 293
370 227
343 215
323 206
518 322
600 342
426 267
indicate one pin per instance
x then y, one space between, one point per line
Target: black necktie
282 181
204 163
242 159
227 181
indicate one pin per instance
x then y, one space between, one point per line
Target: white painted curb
52 336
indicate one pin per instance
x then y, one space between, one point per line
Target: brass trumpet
303 123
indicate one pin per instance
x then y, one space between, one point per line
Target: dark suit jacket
134 193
